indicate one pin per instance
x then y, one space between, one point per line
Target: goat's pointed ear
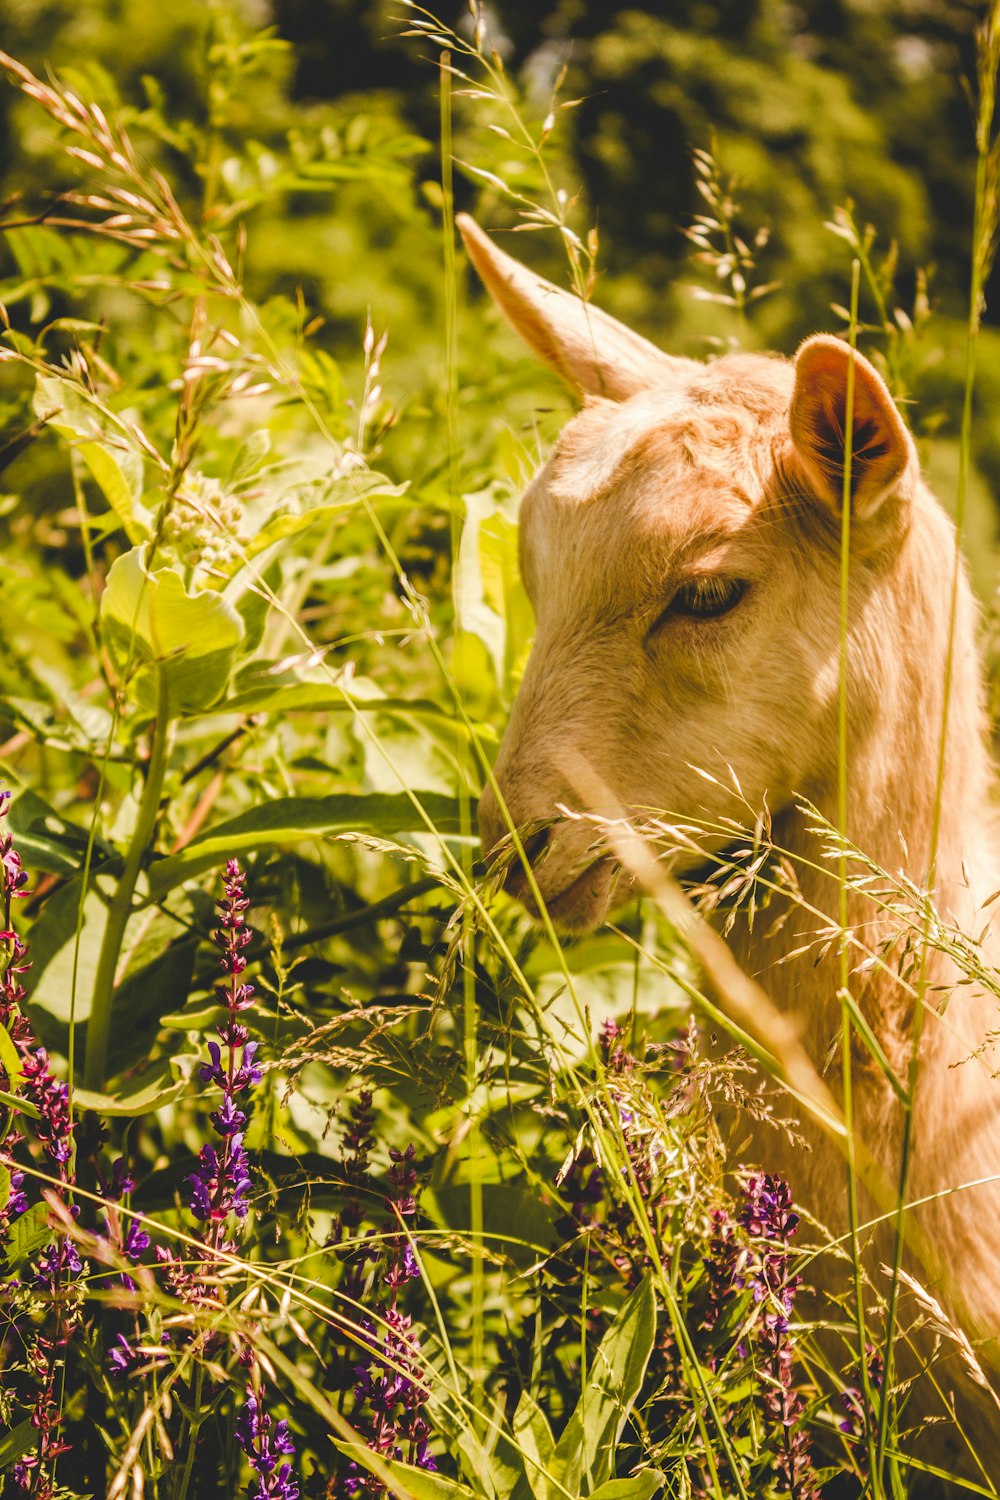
592 352
883 456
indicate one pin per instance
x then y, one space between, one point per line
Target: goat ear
883 457
592 352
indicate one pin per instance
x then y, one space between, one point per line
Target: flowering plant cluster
45 1301
43 1295
387 1387
736 1287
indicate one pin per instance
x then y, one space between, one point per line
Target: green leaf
114 461
18 1102
490 598
265 693
46 841
337 497
250 456
585 1452
152 624
10 1060
419 1484
142 1100
4 1186
28 1233
640 1487
158 970
18 1441
534 1441
291 820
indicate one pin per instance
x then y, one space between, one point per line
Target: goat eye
706 598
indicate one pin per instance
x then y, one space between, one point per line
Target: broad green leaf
156 972
292 820
639 1487
253 604
28 1233
58 956
533 1438
584 1455
270 695
152 624
138 1101
46 841
10 1060
17 1442
113 460
490 598
419 1484
250 456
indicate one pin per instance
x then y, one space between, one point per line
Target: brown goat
681 549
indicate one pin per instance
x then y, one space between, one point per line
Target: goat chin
582 905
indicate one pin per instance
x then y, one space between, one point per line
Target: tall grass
567 1280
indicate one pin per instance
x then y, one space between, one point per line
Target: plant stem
846 1032
183 1483
99 1023
470 1003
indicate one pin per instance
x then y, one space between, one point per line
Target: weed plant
415 1198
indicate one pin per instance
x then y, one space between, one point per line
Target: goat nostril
516 880
534 843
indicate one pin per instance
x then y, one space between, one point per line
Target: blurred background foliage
327 148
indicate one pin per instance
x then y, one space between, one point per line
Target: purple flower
122 1358
767 1208
13 878
853 1398
222 1182
135 1241
50 1096
59 1261
264 1448
121 1182
220 1185
228 1119
17 1198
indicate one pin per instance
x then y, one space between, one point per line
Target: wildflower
769 1217
357 1143
13 949
722 1262
857 1409
122 1358
13 877
265 1448
57 1266
389 1391
203 522
50 1096
221 1183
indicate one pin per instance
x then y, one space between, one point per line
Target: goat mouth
580 905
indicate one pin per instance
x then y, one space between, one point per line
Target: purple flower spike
264 1449
221 1185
